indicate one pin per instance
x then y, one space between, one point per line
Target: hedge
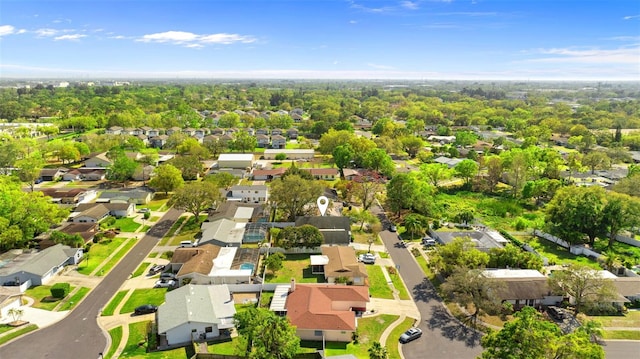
60 290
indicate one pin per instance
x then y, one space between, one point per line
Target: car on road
145 309
163 283
556 313
156 269
393 228
367 258
411 334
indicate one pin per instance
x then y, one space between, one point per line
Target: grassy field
392 340
296 266
98 253
236 346
622 334
624 251
630 320
114 260
139 297
265 299
72 301
141 269
377 283
557 254
42 297
24 330
116 338
370 330
363 237
398 284
158 203
126 224
113 304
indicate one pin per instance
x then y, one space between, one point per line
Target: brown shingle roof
322 171
195 260
311 306
343 262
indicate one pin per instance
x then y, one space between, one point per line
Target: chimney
293 285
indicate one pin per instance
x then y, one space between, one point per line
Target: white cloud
21 31
46 32
71 37
623 55
353 22
631 17
195 40
6 30
194 46
411 5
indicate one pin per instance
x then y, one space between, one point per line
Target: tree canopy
270 336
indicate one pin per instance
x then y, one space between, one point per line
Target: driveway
78 334
443 336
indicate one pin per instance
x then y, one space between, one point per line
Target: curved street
78 335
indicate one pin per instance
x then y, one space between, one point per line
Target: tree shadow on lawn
452 328
307 274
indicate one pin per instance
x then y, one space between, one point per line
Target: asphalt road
78 335
442 335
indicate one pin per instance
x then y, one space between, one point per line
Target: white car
367 258
162 283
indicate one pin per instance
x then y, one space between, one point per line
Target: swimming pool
247 266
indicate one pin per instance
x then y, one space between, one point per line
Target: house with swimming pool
212 264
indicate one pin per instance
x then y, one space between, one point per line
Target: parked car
367 258
411 334
144 210
393 228
167 276
164 283
556 313
145 309
428 241
186 244
156 269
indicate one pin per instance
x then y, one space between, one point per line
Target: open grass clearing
629 320
158 203
557 254
625 252
142 268
72 301
98 253
42 297
136 346
23 330
140 297
364 236
378 286
116 257
110 308
236 346
298 267
622 334
126 224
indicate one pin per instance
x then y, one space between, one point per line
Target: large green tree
195 197
401 192
295 196
342 157
621 212
470 286
583 285
269 335
305 236
122 169
466 169
434 173
29 169
531 336
576 212
166 178
459 253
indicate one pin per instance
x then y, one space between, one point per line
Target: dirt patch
245 297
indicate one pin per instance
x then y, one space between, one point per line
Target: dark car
556 313
145 309
411 334
156 269
393 228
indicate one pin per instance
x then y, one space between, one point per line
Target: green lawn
136 346
157 204
126 224
165 240
113 304
622 334
116 338
98 253
398 284
74 299
236 346
370 329
5 328
141 269
629 320
377 283
394 337
557 254
23 330
139 297
265 299
363 237
114 260
296 266
42 297
625 252
187 233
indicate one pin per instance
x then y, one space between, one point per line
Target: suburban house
292 133
335 230
194 312
249 194
10 297
113 130
292 154
92 174
278 141
139 195
327 174
72 175
628 287
222 232
211 264
86 230
236 160
337 263
321 311
99 160
51 174
450 162
523 287
483 240
263 141
69 196
116 209
268 174
442 139
93 214
158 141
37 267
238 212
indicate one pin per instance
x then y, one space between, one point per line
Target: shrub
60 290
147 215
520 224
415 252
391 270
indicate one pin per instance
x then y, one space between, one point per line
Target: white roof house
235 160
222 232
195 310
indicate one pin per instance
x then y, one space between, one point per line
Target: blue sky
328 39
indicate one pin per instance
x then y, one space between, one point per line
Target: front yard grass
116 338
139 297
24 330
157 203
392 343
42 297
136 346
98 253
297 266
398 283
126 224
629 320
377 283
75 299
622 334
236 346
116 258
113 304
141 269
